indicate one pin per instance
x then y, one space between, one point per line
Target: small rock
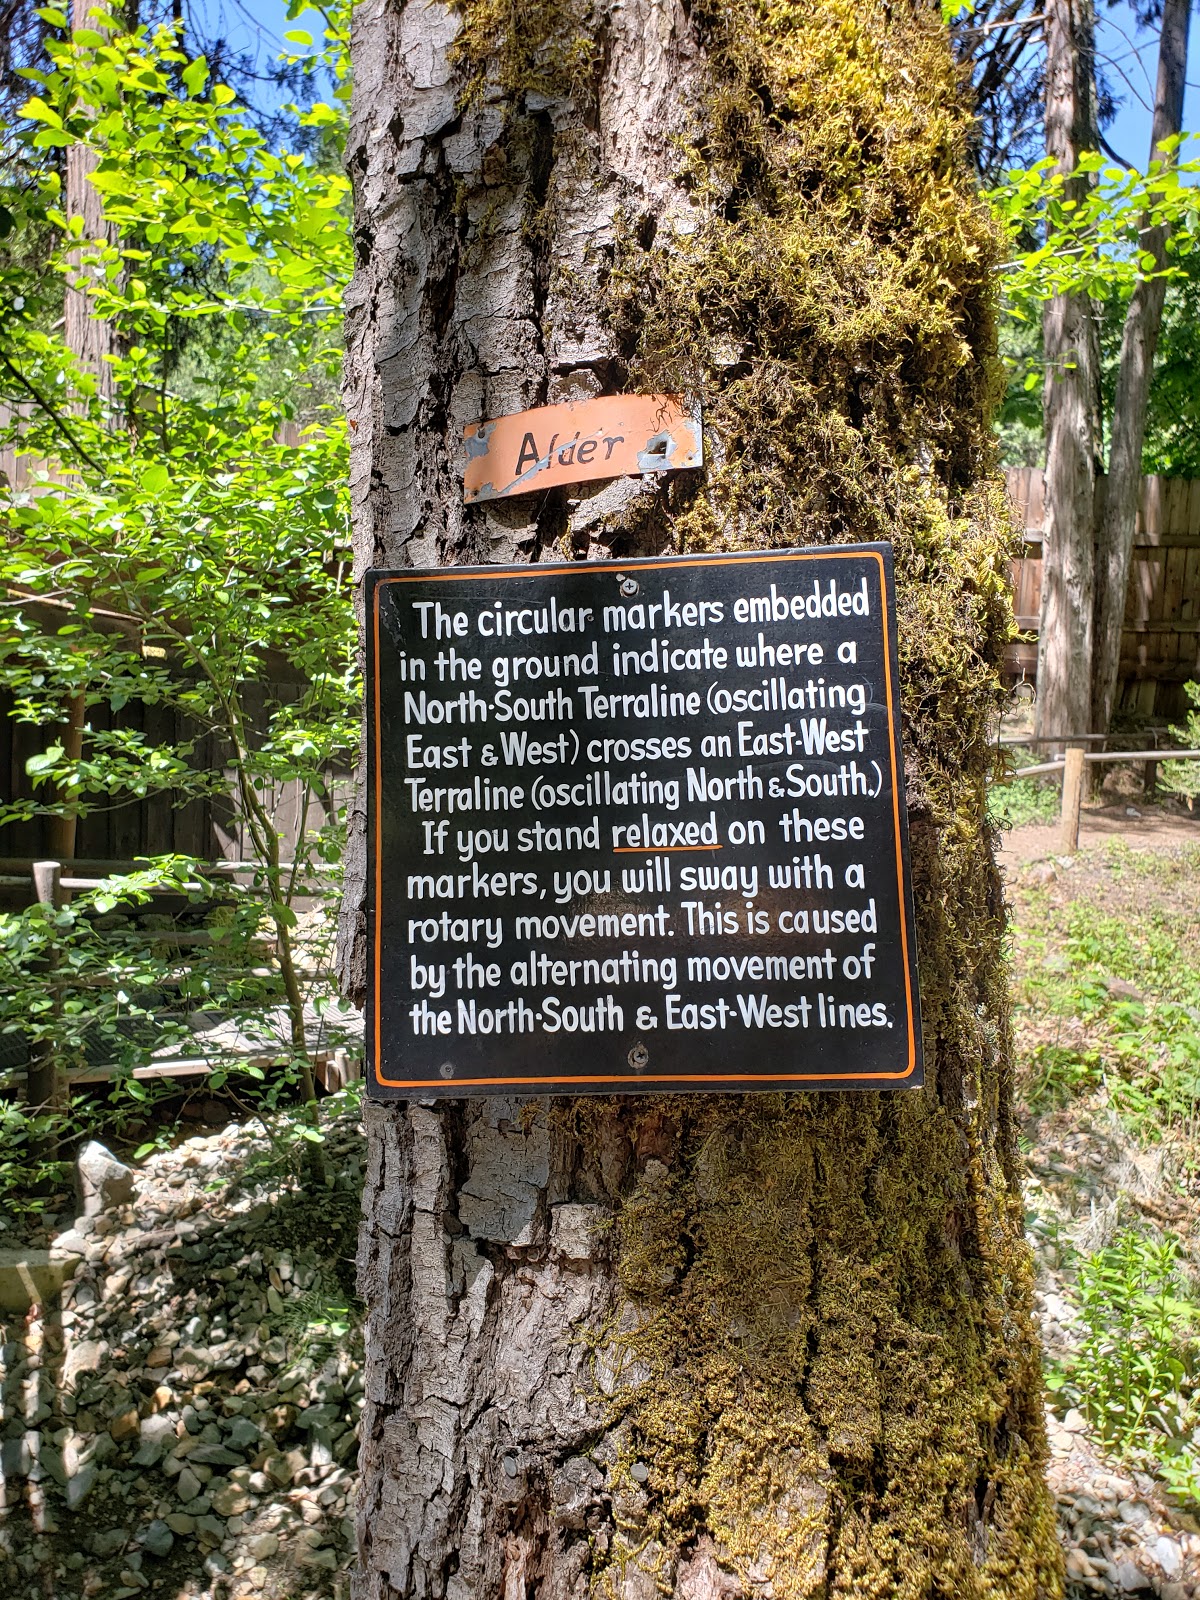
263 1546
1130 1579
179 1522
125 1425
1075 1421
80 1485
214 1455
279 1469
327 1559
1169 1556
103 1180
318 1417
158 1540
1121 990
188 1485
230 1500
160 1356
1133 1513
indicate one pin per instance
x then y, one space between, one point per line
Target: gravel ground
184 1422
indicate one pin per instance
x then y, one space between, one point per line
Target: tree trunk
703 1346
1072 366
1139 339
89 336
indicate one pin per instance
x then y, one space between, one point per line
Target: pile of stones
1119 1535
182 1419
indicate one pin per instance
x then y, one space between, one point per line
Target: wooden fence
1160 642
123 829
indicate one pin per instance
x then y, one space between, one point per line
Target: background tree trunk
1139 339
92 340
707 1346
1072 364
89 336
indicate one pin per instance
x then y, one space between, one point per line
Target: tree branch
58 421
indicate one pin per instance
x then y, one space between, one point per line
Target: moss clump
517 47
833 302
837 1383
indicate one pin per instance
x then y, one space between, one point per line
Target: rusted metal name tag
612 437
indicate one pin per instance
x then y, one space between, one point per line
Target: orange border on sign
453 574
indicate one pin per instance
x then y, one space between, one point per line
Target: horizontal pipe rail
1044 767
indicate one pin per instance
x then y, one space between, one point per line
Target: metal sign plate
638 826
612 437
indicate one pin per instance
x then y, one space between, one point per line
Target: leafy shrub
1183 777
1024 800
1134 1372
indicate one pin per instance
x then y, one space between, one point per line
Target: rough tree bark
89 336
1139 340
1072 364
708 1346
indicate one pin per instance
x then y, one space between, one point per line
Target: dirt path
1149 828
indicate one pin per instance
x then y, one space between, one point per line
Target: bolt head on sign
638 825
615 436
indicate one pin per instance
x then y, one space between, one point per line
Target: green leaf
298 36
45 761
195 76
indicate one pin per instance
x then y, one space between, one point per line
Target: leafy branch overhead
1061 244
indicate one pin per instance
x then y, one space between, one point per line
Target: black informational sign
638 825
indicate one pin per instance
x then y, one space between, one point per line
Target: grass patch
1024 800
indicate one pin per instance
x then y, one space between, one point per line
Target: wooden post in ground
1072 800
44 1086
62 829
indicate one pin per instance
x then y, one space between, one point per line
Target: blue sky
1133 69
254 26
259 26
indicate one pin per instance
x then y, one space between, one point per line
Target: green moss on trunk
830 1372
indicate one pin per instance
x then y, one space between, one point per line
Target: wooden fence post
44 1085
1072 800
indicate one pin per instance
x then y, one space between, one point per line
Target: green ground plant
1134 1374
1024 800
1183 777
1108 990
